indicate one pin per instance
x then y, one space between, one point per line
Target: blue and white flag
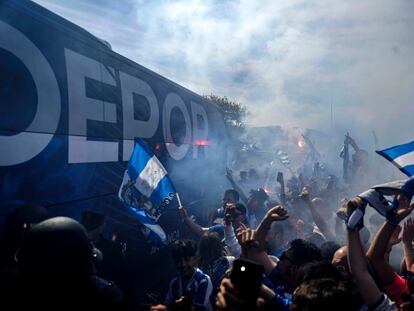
146 190
402 156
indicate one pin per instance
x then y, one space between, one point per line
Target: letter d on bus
25 145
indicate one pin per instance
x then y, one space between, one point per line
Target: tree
234 112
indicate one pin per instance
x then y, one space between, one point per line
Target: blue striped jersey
198 289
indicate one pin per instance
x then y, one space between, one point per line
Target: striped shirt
198 289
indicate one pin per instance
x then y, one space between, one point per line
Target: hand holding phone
229 212
246 277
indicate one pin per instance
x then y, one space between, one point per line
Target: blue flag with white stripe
402 156
146 191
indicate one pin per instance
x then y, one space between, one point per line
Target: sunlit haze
335 66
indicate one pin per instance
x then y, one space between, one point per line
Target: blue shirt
198 289
282 300
217 270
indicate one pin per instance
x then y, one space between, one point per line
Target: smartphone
246 277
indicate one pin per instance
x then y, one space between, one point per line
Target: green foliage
234 112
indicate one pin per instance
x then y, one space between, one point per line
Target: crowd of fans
300 249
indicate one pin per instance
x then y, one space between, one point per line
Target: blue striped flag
402 156
146 190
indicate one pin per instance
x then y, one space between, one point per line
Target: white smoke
330 65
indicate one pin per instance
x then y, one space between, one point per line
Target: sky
331 65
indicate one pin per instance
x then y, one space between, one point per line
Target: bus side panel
71 86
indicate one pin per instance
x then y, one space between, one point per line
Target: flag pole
180 205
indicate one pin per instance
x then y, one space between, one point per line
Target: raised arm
253 250
195 227
379 246
229 234
352 142
317 218
407 238
277 213
358 265
252 241
229 175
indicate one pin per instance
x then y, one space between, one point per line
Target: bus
70 110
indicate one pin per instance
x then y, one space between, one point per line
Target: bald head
340 261
340 255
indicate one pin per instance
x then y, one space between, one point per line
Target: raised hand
228 297
305 195
253 249
247 238
408 232
395 237
254 240
404 208
277 213
250 246
228 213
348 208
353 204
407 238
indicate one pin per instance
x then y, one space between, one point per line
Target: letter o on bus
174 101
